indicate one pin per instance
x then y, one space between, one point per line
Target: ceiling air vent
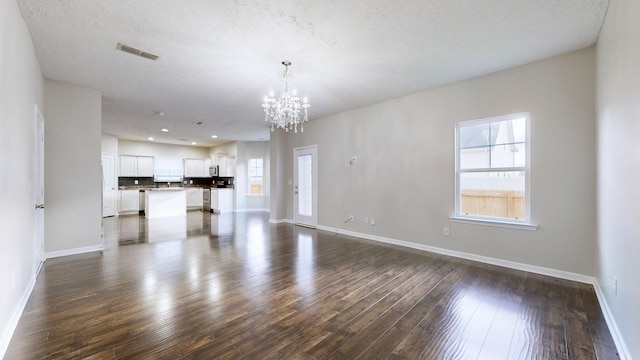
138 52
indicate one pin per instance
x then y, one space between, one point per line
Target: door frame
308 221
38 190
113 180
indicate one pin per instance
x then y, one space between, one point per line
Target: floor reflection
305 260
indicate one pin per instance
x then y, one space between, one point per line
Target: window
492 169
255 176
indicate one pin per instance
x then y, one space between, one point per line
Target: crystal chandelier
286 112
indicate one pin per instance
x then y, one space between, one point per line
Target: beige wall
280 171
73 174
169 151
247 150
404 176
619 166
21 87
109 144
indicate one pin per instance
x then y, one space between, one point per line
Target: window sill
496 223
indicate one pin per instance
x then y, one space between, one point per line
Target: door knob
39 206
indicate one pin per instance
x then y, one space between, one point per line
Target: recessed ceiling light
150 139
193 143
214 136
164 130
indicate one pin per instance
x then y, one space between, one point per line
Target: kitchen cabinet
196 167
145 166
194 198
222 200
136 166
129 201
227 165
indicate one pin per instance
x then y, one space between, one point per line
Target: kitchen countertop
155 187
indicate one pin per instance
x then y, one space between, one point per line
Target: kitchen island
165 202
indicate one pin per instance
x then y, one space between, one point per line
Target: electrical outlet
445 231
135 182
372 221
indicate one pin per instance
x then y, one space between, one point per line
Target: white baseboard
621 346
280 221
7 332
252 210
76 251
468 256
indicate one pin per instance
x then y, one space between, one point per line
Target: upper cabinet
145 166
136 166
226 164
196 167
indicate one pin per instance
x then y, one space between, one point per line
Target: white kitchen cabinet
196 167
194 198
129 201
136 166
227 165
193 168
222 200
128 165
145 166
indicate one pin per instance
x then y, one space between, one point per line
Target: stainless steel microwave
213 170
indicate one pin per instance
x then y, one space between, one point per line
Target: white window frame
249 176
525 223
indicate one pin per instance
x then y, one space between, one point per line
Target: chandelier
286 112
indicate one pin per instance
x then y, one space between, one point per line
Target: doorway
38 190
108 185
305 186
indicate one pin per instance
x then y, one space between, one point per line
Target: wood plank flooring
234 286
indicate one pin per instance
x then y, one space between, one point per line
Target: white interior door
305 186
108 184
38 190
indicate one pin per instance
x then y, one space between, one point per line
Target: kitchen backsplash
196 181
131 181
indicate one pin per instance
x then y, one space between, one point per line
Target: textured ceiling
218 59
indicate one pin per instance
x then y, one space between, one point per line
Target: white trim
463 255
280 221
76 251
497 223
621 346
252 210
17 314
526 168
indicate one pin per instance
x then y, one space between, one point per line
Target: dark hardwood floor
234 286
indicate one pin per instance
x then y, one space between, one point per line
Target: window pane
493 194
508 155
255 176
475 158
305 183
474 135
508 131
